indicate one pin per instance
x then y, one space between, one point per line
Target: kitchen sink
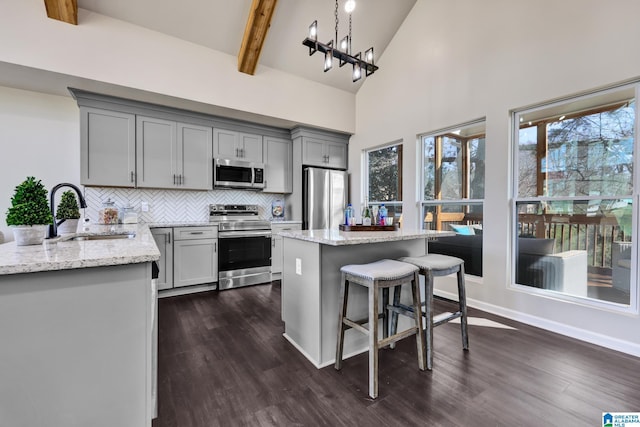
103 237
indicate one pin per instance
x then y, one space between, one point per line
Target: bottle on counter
383 212
366 215
349 215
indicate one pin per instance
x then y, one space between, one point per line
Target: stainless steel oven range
244 245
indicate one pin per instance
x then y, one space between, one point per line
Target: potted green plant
67 213
29 214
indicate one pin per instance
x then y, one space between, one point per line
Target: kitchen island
76 326
311 283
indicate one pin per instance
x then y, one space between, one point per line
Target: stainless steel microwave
228 173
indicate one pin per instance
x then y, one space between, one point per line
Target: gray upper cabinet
229 144
328 154
173 155
195 157
156 146
107 147
278 160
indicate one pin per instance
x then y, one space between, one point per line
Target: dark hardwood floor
223 362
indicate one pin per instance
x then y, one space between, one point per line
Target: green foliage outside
29 204
68 206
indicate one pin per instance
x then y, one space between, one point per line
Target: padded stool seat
376 276
435 265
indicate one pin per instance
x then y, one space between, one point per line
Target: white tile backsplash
175 205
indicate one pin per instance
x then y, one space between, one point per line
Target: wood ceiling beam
255 33
62 10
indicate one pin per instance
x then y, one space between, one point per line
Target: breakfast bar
311 283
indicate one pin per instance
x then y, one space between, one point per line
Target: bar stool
376 276
436 265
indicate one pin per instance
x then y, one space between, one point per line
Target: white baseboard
328 362
550 325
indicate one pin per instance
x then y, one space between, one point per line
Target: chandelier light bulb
349 6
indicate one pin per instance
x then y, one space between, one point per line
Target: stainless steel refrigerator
324 198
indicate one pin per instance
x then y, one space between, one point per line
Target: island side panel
301 296
332 259
75 347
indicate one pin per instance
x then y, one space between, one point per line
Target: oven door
244 258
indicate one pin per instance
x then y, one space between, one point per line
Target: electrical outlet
144 206
299 266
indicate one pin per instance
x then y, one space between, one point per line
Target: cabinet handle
215 246
237 153
174 179
197 232
132 177
180 179
169 238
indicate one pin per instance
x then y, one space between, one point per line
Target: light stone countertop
334 237
63 254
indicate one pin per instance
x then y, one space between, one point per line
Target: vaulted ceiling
221 24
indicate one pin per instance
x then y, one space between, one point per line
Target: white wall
457 60
115 52
39 136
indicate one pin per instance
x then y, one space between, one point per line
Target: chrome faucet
53 228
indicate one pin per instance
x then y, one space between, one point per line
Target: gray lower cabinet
278 160
277 251
164 241
173 155
195 256
229 144
107 148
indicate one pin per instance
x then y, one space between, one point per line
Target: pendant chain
336 12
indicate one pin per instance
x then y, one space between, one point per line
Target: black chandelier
343 51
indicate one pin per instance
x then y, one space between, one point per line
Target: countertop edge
65 254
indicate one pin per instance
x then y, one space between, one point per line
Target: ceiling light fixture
342 49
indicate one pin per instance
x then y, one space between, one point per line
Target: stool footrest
405 310
397 337
357 325
445 317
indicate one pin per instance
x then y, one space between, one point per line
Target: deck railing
594 234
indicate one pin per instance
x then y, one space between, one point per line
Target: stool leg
462 297
344 295
394 316
428 297
415 290
385 312
373 340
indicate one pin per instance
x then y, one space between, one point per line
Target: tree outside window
384 179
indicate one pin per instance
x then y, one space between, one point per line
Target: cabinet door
195 262
107 148
156 153
225 143
276 255
195 157
313 152
250 147
336 155
162 236
278 160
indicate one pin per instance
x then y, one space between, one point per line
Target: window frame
365 168
516 199
451 131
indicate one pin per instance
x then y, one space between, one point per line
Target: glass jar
109 213
129 215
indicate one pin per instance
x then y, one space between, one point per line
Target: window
453 191
384 179
574 195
